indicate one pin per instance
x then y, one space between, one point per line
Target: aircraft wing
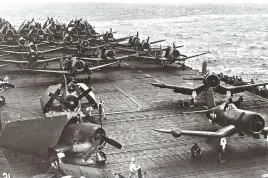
237 89
16 52
159 41
154 58
47 71
32 136
13 61
5 170
223 132
101 66
124 49
121 39
48 60
100 59
89 59
51 50
183 59
179 89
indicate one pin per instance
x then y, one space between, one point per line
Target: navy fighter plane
209 81
138 46
67 134
171 55
72 66
230 118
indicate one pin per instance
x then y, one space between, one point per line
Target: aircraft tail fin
5 169
210 98
204 68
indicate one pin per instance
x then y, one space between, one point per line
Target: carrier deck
134 108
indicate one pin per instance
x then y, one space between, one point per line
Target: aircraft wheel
162 65
89 78
2 100
101 158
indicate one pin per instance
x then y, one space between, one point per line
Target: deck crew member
133 168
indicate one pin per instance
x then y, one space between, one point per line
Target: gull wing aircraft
209 81
67 134
230 118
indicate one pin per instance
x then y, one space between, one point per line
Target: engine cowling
22 41
68 39
58 27
212 81
82 26
145 46
9 35
78 66
82 136
85 43
250 124
175 53
74 104
40 32
109 54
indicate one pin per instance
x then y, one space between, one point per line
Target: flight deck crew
133 168
101 110
195 150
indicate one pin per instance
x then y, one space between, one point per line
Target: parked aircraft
170 56
230 118
32 51
66 134
209 80
137 45
71 66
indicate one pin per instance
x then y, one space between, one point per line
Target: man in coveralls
133 168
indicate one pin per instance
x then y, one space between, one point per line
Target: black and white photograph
133 89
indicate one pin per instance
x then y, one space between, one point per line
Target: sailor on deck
133 168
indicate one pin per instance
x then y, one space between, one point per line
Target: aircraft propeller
70 101
103 138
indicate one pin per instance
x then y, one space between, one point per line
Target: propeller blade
174 46
194 78
113 143
137 34
61 99
111 30
84 93
163 131
148 39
